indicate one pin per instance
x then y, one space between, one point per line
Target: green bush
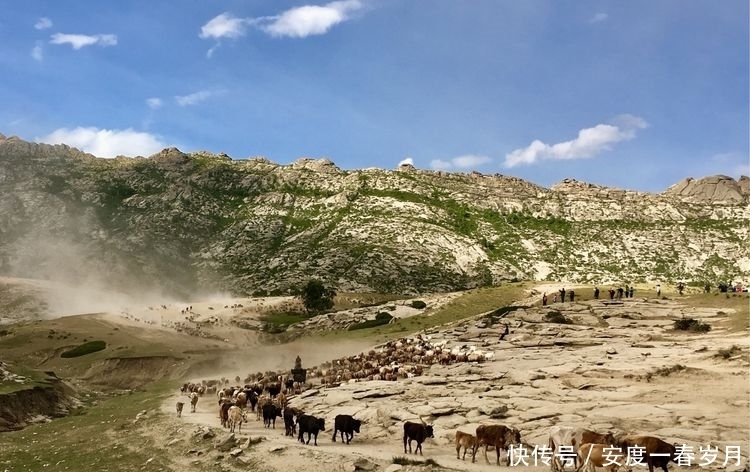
85 348
384 315
418 304
691 324
381 318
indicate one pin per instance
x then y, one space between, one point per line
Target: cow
601 455
273 389
179 408
466 441
417 432
561 445
499 436
655 451
310 425
224 406
193 401
583 436
235 417
252 397
289 385
345 424
263 400
289 425
270 413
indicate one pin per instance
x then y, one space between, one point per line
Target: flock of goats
266 395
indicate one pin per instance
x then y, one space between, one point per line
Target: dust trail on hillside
79 275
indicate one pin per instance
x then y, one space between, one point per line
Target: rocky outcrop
35 402
188 221
715 188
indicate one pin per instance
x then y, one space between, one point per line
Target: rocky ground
617 366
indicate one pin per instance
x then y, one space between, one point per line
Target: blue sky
636 94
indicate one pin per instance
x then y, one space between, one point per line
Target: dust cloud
76 276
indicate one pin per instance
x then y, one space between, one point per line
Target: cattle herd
567 445
267 393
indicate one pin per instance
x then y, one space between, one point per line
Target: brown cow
583 436
499 436
467 441
655 451
224 406
601 455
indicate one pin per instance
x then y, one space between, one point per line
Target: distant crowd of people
629 292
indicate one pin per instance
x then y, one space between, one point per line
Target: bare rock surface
592 373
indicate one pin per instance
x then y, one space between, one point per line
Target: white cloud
309 20
154 103
439 164
298 22
224 26
407 161
210 52
599 17
105 142
461 162
193 98
590 142
469 160
77 41
43 23
37 53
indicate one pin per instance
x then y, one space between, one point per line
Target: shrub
691 324
555 316
381 318
729 352
85 348
418 304
665 371
400 460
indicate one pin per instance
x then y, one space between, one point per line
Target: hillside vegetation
187 222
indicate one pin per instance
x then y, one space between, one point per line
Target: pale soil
597 373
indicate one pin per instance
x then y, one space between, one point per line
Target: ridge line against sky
637 95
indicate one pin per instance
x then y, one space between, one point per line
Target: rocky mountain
185 222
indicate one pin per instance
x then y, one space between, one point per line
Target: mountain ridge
186 221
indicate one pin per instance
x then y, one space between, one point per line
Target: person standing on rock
572 295
596 293
631 291
544 299
562 295
658 290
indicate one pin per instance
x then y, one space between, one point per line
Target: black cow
289 424
345 424
289 384
417 432
252 397
270 413
273 389
310 425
